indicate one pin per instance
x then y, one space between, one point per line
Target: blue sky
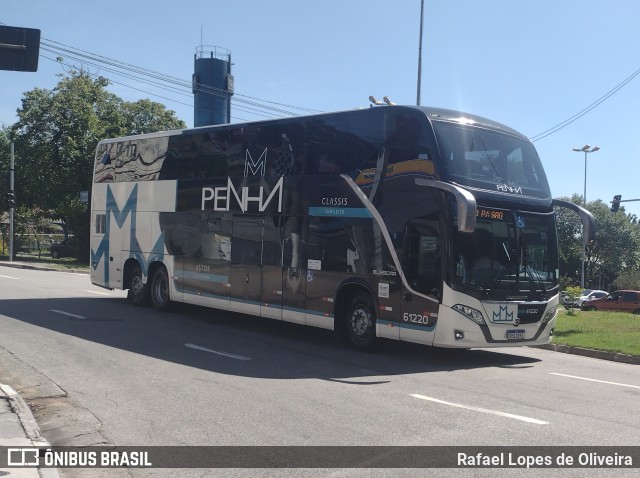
530 65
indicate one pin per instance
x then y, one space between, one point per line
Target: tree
629 280
573 294
56 137
4 188
145 116
615 249
570 241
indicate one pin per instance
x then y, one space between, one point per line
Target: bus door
246 259
331 258
272 241
422 265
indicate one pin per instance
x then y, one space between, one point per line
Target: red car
619 301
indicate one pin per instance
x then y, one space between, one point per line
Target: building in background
212 86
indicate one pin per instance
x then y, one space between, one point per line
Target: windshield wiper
527 268
506 252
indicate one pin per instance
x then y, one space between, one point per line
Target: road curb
599 354
29 425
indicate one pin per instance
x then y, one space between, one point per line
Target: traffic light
11 199
19 48
615 204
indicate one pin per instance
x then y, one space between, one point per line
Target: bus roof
453 116
432 113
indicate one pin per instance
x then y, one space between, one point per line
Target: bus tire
160 295
360 322
138 292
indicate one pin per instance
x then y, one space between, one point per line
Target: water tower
212 86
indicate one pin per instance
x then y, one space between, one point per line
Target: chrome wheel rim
361 321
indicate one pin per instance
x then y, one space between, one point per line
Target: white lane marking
217 352
595 380
9 277
68 314
482 410
96 292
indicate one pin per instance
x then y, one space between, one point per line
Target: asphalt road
98 370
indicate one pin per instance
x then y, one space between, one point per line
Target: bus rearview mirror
465 201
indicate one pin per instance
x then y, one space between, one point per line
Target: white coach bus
409 223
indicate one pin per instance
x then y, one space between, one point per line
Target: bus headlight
470 313
551 313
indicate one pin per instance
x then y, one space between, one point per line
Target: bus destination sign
490 214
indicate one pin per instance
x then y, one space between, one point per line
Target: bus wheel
138 292
361 322
160 289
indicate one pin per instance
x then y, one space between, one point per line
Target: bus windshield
490 160
509 255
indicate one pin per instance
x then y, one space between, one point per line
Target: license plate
515 334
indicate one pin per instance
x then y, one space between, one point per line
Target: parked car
588 296
619 301
66 248
567 301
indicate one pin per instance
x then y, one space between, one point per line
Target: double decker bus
409 223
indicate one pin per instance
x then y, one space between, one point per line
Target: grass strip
616 332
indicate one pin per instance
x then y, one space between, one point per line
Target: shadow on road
236 344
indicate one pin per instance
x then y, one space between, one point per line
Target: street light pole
586 149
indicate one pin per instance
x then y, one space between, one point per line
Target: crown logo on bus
499 317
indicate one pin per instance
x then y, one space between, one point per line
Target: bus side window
246 244
215 237
100 224
332 241
463 265
403 141
104 166
423 258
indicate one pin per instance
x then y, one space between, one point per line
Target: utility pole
420 53
12 205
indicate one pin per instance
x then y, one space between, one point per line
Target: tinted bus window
490 160
336 146
198 155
